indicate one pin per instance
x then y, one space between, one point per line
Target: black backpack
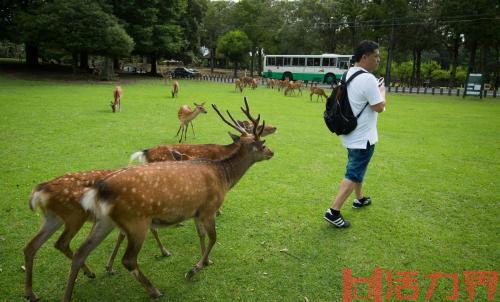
338 114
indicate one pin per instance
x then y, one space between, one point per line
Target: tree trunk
116 63
212 59
390 56
84 60
31 54
252 62
107 72
418 66
261 68
74 61
412 78
153 64
454 60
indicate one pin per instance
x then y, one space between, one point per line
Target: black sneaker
336 219
365 201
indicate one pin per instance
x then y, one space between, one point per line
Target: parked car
183 72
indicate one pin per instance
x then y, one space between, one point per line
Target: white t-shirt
362 89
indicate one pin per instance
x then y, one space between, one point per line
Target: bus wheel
287 75
330 79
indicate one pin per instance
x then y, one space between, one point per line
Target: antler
235 125
254 121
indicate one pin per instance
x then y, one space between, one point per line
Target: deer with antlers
117 94
318 91
175 89
58 200
164 194
186 117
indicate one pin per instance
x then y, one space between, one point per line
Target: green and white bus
325 68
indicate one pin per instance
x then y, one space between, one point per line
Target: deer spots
134 190
66 191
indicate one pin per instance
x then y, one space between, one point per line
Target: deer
238 85
292 86
186 117
254 83
164 194
117 94
166 75
318 91
175 89
58 200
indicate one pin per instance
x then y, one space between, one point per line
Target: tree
154 25
214 24
235 45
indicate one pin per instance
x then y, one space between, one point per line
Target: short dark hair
364 48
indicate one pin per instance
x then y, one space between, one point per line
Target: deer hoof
110 271
155 294
32 297
191 273
165 253
89 274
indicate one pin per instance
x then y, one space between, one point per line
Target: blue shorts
357 162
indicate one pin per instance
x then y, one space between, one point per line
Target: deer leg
102 227
71 227
192 128
50 225
180 127
185 130
164 251
208 226
135 237
109 266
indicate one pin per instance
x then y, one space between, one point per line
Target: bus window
286 61
310 62
329 62
298 62
271 61
343 63
279 61
317 61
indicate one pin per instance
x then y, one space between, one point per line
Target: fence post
397 88
404 89
388 88
494 93
425 90
441 91
410 89
449 90
433 90
418 90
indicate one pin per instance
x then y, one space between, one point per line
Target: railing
409 90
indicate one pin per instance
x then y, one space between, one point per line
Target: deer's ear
234 137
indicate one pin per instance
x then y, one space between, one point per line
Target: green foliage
433 182
235 45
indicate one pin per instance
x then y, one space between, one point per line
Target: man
360 143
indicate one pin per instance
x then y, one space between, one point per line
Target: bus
325 68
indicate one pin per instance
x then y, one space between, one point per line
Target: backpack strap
357 73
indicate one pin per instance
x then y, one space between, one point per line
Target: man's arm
380 107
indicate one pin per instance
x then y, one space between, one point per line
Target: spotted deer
186 117
58 200
164 194
318 91
117 94
175 89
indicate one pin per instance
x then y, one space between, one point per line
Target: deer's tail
139 156
37 197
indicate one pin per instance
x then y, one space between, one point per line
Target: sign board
474 84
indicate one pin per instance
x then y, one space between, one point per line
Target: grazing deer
164 194
175 89
254 83
319 92
238 85
186 117
166 75
58 200
117 94
292 86
271 83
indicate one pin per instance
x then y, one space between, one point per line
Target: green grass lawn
434 181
